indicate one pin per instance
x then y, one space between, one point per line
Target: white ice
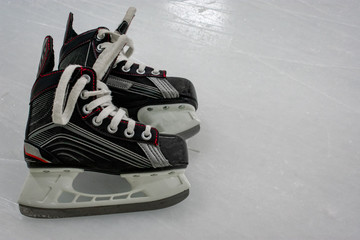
278 155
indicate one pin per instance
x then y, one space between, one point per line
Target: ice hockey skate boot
166 103
73 129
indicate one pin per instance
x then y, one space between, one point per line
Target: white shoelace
61 115
124 56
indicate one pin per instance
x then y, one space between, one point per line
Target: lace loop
100 37
110 51
84 94
125 69
129 134
95 122
103 100
99 48
86 110
124 55
87 77
146 135
111 130
155 72
139 71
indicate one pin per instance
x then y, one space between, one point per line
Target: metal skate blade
177 118
190 132
100 210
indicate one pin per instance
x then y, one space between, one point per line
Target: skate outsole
101 210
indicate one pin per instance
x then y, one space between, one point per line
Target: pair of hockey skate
81 119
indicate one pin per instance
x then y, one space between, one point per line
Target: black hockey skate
73 127
166 103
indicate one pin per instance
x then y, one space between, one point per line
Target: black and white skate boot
73 128
166 103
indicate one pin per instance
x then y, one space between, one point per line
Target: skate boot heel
179 119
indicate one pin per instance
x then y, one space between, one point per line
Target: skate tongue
69 31
76 51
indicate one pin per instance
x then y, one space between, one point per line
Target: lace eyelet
129 135
95 122
99 49
148 137
155 73
87 77
100 37
124 69
85 110
139 72
82 95
110 130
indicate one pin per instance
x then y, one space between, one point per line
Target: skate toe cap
174 149
185 88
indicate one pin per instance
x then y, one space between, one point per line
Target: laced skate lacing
123 56
61 115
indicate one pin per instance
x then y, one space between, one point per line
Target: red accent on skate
70 21
33 156
82 69
48 74
47 53
156 137
54 72
98 109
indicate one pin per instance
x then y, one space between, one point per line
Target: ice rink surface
278 155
